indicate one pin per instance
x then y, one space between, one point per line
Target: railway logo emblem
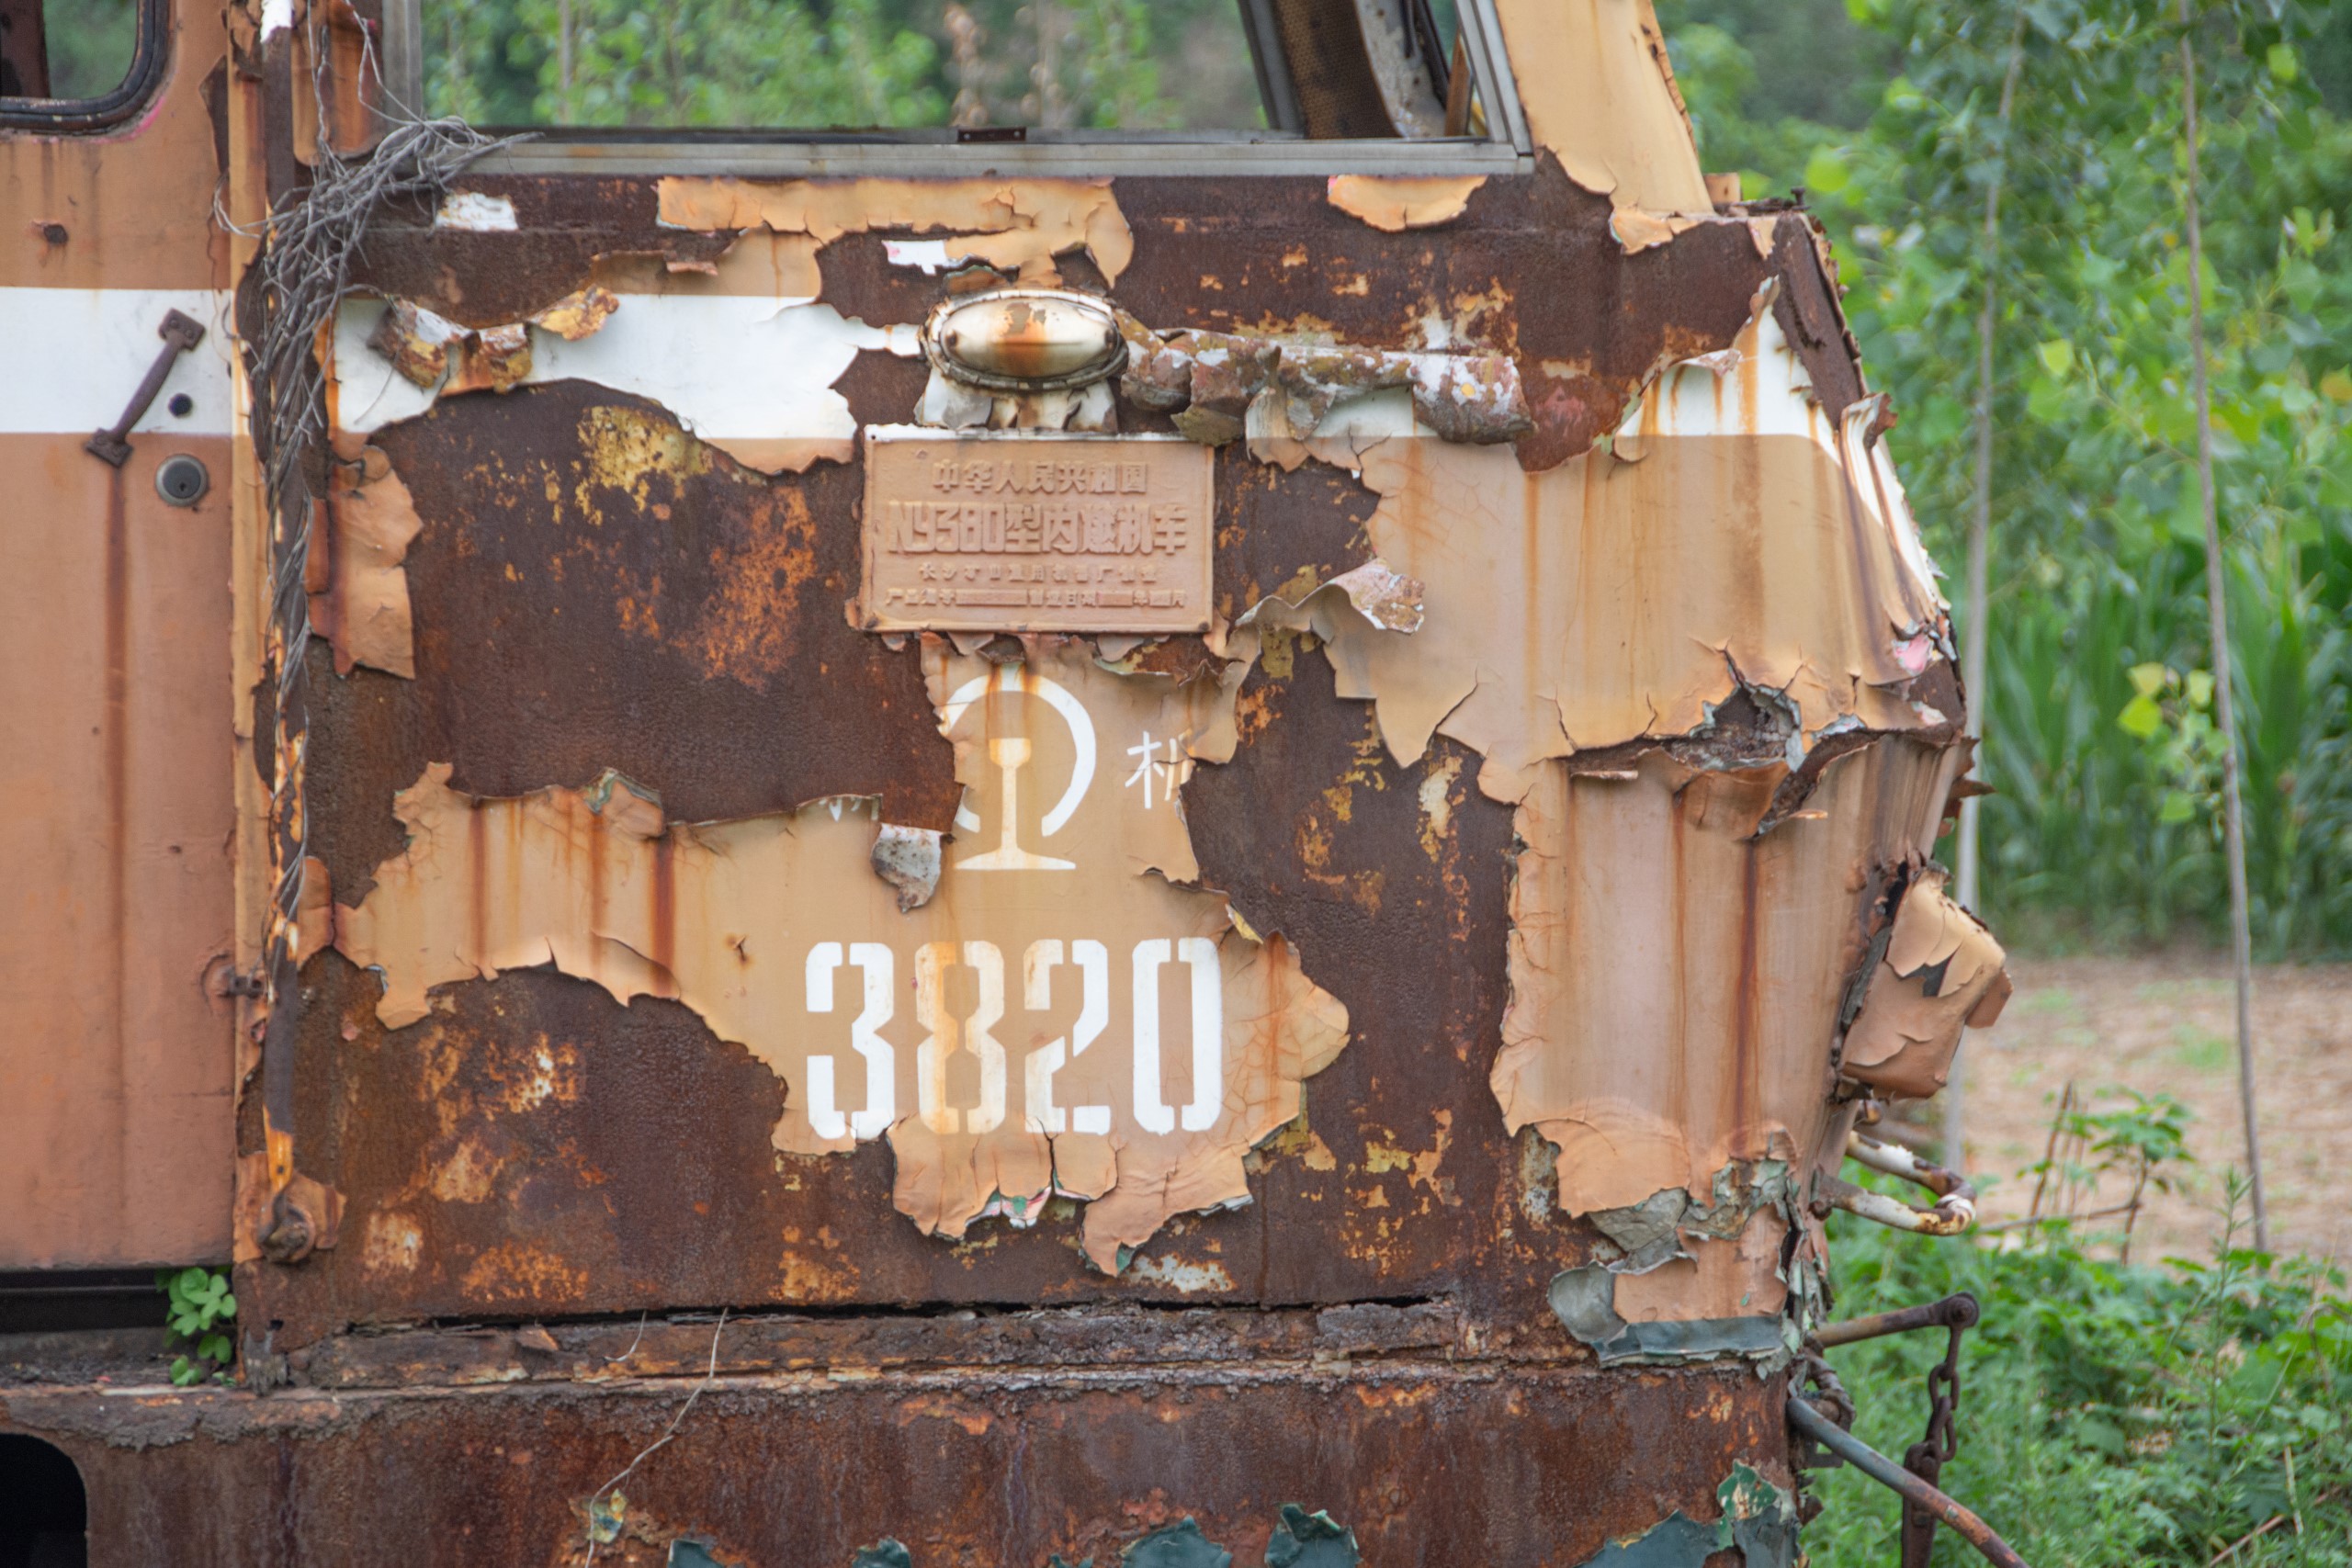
1010 753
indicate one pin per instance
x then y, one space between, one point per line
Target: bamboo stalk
2217 616
1979 530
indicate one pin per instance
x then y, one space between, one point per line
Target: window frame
150 59
930 153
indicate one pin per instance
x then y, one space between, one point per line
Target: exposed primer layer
1583 1300
1676 978
1017 226
1758 1518
1631 609
1598 94
358 586
1397 204
1686 1277
1116 1038
748 375
1941 970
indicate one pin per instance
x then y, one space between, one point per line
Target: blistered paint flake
1939 970
1399 204
358 586
1220 386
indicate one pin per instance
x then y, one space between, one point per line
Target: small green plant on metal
200 1308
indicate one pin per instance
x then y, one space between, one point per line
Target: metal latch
179 333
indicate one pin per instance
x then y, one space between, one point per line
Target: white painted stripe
728 366
74 356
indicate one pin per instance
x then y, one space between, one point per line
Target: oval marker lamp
1025 339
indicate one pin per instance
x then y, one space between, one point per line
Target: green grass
2202 1050
2109 1415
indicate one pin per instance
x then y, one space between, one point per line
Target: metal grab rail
1817 1427
1959 1311
1955 1208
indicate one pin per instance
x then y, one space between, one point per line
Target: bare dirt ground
2166 1025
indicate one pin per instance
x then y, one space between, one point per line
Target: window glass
66 48
816 64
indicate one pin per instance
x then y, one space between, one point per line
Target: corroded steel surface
962 1464
696 988
594 589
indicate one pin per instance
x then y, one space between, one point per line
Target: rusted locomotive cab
962 851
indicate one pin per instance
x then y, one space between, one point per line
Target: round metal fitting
182 480
1025 339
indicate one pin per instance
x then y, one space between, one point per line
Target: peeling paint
748 377
753 924
1311 1540
579 313
1191 1278
1674 978
1584 1298
416 342
1219 386
1941 971
1396 204
1628 618
358 586
1637 231
1180 1545
1758 1518
1012 225
908 859
1599 96
475 212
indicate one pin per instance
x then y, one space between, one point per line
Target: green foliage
90 45
2108 1415
199 1311
1775 88
2106 825
779 64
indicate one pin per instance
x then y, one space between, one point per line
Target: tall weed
2109 1415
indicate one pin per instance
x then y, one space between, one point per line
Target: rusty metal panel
961 1464
757 1069
686 939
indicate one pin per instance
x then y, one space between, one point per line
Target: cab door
118 722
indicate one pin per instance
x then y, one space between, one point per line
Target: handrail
1955 1208
1957 1310
1818 1427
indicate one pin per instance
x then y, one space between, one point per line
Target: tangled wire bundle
309 246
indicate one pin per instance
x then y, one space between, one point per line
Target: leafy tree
2098 556
839 63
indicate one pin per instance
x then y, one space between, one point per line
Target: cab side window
1181 70
72 64
843 64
